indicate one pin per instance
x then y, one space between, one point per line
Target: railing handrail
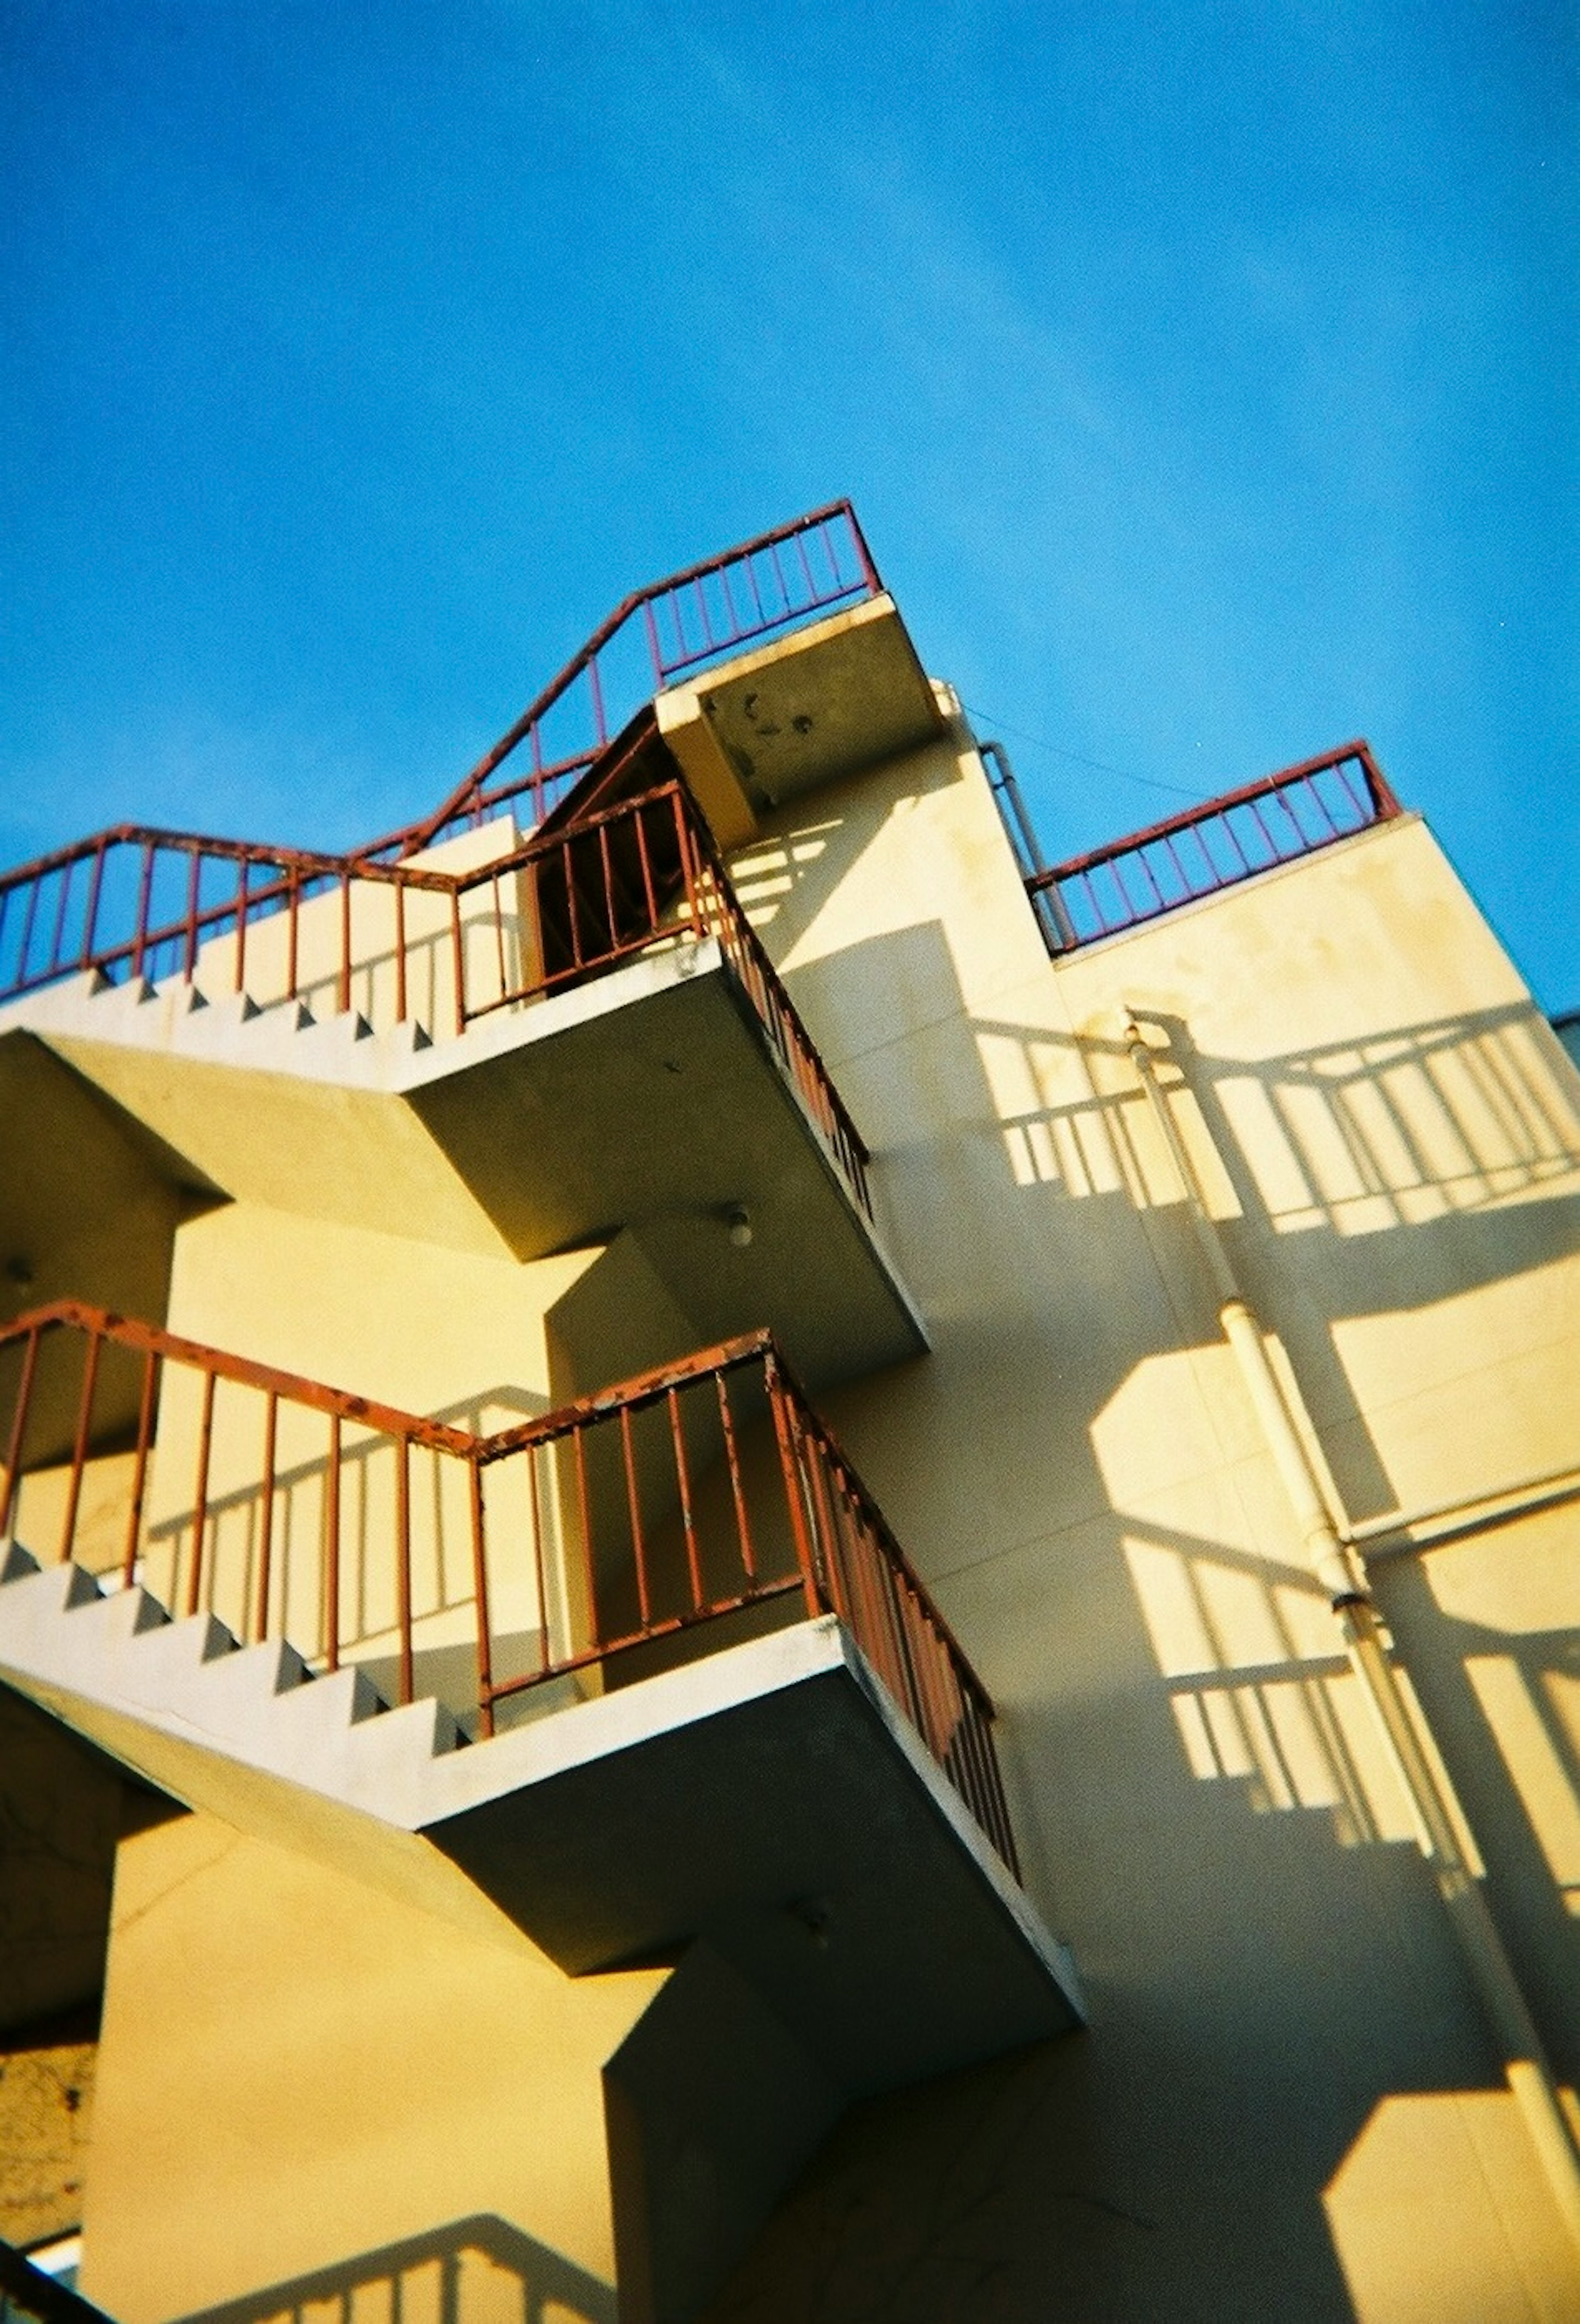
421 834
413 837
712 908
1047 887
901 1632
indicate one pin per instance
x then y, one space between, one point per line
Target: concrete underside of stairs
768 1797
649 1097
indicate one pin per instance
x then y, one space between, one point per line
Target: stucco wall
1284 2056
311 2095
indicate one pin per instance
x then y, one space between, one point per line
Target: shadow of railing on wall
480 2270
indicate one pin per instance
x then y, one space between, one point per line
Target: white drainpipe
1342 1574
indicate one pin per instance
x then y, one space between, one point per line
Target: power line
1099 766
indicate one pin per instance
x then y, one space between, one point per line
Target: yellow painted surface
1285 2065
298 2075
1392 1143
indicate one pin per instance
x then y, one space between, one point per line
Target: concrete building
760 1566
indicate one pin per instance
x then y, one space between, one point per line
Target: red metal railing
397 941
160 893
814 565
615 884
705 1492
1211 847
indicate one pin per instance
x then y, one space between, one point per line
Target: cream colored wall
1283 2046
300 2078
428 1331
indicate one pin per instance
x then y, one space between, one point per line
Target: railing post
806 1557
90 918
404 1561
19 1430
480 1593
332 1547
241 926
343 997
151 1368
80 1444
200 1496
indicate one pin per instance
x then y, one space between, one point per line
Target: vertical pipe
1339 1572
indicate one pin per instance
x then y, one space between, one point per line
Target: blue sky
1204 375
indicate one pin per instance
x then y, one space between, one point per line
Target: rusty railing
640 874
399 942
818 564
136 901
1208 848
608 1533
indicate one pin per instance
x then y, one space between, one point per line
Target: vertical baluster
644 858
400 895
145 1411
567 862
611 914
633 1503
332 1547
194 876
811 1582
79 1444
241 925
403 1561
480 1594
266 1514
737 1489
584 1510
504 972
342 990
200 1496
535 1503
457 951
95 889
58 937
683 1480
13 1450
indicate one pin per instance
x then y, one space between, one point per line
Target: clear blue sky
1205 376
